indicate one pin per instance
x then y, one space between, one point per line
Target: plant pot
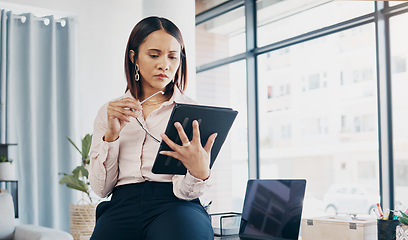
7 171
402 232
82 220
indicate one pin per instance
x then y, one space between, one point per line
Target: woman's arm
195 158
188 187
103 168
111 119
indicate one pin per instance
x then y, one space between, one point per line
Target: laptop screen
272 209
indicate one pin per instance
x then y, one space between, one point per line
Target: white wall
102 31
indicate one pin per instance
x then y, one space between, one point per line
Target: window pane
204 5
221 37
226 86
396 2
399 55
318 120
274 16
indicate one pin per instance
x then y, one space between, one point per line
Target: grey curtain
38 95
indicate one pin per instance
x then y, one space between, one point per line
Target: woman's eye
172 57
153 56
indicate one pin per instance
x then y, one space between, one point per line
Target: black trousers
150 211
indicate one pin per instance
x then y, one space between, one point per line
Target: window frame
380 17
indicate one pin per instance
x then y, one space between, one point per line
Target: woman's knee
184 222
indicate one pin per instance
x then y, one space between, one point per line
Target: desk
230 237
12 187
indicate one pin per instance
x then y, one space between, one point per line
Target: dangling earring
137 72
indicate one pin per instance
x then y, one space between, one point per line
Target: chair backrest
7 221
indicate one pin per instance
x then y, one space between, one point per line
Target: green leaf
80 171
4 159
78 180
74 183
69 139
86 146
403 220
404 214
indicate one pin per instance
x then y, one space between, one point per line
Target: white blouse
130 158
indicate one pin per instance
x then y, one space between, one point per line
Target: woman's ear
132 56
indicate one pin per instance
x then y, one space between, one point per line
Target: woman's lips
161 76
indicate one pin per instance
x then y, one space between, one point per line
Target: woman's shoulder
181 97
187 99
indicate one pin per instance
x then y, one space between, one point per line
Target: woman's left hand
194 157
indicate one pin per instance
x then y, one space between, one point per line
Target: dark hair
137 37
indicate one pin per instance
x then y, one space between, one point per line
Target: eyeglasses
147 131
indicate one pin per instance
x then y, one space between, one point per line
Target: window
270 92
399 54
314 81
314 101
398 64
396 2
221 37
204 5
283 19
226 86
329 125
286 132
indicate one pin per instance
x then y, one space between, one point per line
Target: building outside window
316 99
226 86
399 56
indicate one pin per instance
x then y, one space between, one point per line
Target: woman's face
159 60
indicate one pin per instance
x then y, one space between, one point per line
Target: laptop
272 209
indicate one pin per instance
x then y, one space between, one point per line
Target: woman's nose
163 64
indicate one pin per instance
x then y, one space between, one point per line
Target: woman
125 143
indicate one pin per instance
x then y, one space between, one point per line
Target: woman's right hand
118 114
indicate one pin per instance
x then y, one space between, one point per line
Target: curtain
37 81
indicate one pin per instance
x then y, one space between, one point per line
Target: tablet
210 119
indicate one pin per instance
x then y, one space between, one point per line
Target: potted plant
7 169
402 229
78 179
82 216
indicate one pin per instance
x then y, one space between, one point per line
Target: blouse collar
177 97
